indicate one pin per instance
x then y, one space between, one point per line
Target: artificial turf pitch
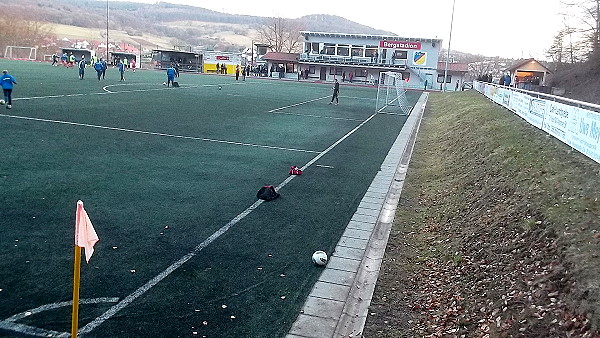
162 169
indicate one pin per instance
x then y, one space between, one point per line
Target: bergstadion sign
400 44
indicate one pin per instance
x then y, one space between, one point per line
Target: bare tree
589 16
283 35
487 66
564 49
20 32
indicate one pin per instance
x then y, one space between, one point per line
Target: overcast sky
509 28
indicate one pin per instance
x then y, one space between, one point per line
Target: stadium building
361 58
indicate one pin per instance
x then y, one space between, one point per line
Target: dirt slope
497 232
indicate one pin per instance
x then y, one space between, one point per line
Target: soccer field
169 179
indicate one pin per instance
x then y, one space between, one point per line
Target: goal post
20 52
391 94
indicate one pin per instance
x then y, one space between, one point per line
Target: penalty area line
159 134
297 104
164 274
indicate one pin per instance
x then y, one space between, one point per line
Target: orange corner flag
85 235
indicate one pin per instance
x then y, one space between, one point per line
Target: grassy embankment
497 231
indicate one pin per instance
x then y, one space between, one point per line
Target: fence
575 123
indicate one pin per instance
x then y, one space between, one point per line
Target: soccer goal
391 94
19 52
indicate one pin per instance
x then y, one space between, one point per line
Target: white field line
319 116
144 288
107 91
297 104
357 98
324 166
31 330
159 134
11 325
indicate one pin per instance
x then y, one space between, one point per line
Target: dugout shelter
528 74
186 61
78 53
116 56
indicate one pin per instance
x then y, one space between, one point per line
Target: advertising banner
519 103
557 118
584 132
577 127
537 110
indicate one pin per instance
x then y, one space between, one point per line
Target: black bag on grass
175 84
267 193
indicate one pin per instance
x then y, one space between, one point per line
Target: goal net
18 52
391 94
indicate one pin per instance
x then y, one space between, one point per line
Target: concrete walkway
339 301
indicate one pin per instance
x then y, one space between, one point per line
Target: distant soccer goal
391 94
19 52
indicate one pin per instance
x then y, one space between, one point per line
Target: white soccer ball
2 102
220 87
164 83
319 258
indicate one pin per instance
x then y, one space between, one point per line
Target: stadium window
314 47
357 51
343 51
329 49
440 78
360 73
311 69
335 71
401 54
371 51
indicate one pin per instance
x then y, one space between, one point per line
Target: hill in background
162 24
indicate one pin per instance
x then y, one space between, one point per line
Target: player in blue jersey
81 65
99 67
122 70
170 75
7 82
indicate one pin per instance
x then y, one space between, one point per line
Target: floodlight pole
449 41
106 31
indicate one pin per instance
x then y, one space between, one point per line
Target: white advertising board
584 133
519 103
577 127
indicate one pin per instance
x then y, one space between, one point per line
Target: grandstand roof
366 36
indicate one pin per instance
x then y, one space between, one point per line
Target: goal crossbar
20 52
391 94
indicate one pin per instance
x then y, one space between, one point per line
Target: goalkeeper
336 92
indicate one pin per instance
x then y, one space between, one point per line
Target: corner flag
85 235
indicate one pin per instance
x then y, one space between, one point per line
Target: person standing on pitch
336 92
7 82
99 67
122 70
81 67
104 67
170 75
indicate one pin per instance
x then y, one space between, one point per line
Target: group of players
99 64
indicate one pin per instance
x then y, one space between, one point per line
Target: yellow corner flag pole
76 279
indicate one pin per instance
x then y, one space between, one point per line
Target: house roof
520 63
453 67
277 56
